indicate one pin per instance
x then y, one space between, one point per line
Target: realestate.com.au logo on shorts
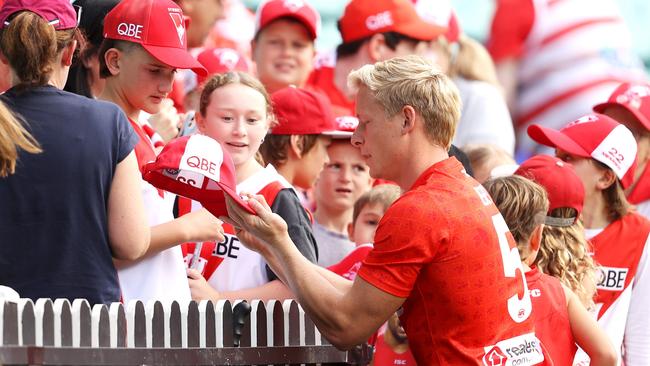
522 350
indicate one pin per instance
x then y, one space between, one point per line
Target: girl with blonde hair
564 251
237 112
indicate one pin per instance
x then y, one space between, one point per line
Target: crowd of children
358 205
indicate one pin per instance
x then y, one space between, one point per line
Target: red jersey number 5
518 308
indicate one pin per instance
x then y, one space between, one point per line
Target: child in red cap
564 252
145 43
297 146
561 320
341 182
629 105
235 110
283 47
603 153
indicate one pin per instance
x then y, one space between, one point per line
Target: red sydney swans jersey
445 248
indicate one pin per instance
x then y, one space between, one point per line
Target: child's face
144 81
283 54
362 231
590 174
236 118
344 179
312 163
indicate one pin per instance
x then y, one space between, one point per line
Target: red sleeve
512 22
404 243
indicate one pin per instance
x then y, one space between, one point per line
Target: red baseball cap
562 184
198 168
594 136
221 60
300 10
633 97
440 13
363 18
59 13
157 25
302 112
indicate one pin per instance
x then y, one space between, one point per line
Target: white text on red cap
380 20
293 5
129 30
583 119
632 96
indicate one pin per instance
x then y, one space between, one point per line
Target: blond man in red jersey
442 251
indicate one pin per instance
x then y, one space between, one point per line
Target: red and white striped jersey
571 55
623 298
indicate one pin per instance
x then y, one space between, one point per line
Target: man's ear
408 122
68 54
112 58
376 47
296 143
606 179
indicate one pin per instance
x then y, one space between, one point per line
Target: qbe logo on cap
130 30
380 20
204 156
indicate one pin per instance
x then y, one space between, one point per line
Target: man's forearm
319 291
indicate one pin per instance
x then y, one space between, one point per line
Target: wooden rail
62 333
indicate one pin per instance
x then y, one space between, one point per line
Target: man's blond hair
417 82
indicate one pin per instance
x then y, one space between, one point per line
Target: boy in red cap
283 47
629 105
603 153
341 182
145 42
372 30
297 146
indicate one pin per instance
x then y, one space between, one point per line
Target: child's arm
587 333
202 290
196 226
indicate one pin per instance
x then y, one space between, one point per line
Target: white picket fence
62 333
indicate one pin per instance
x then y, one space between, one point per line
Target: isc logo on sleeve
611 278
